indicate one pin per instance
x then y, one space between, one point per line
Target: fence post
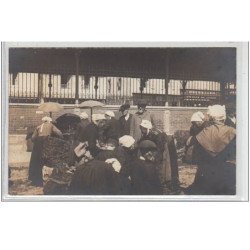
40 88
50 86
184 84
222 92
166 89
77 78
167 76
96 86
143 82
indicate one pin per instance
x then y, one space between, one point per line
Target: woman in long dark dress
166 155
36 160
145 178
216 154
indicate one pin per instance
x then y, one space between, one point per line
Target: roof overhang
200 63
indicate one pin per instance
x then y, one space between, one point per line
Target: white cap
218 112
146 124
197 117
97 117
110 113
47 119
126 141
84 115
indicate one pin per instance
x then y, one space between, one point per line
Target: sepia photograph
124 124
128 122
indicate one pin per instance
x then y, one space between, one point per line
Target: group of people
127 156
116 156
130 156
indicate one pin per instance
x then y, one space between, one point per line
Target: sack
188 157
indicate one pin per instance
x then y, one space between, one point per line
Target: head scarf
146 124
215 138
47 119
110 113
126 141
97 117
217 112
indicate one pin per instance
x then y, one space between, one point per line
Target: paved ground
19 162
21 186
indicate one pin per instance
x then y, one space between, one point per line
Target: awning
208 64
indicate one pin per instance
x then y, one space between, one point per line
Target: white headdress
126 141
110 113
217 112
47 119
146 124
97 117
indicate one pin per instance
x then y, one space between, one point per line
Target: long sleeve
152 118
132 126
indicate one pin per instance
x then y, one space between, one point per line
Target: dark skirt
145 178
217 179
36 162
98 178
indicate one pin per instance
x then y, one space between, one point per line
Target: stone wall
168 119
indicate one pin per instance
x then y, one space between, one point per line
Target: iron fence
31 88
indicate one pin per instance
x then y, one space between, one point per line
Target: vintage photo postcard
125 121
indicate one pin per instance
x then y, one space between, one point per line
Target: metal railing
31 88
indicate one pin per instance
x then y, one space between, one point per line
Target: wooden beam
167 77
